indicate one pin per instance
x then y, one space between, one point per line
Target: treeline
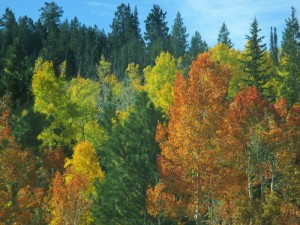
125 128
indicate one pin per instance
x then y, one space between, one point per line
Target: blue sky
205 16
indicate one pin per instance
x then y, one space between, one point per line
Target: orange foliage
190 176
69 200
19 195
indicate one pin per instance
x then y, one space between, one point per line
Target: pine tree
197 46
130 164
223 36
156 35
273 46
178 37
125 40
290 88
255 57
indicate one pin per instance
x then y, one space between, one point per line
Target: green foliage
223 36
232 58
156 35
197 46
290 67
125 40
129 161
255 60
178 39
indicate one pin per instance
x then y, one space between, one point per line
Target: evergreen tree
125 40
130 163
223 36
254 63
178 37
156 35
197 46
50 18
274 46
8 29
290 88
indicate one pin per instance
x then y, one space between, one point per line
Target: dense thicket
130 128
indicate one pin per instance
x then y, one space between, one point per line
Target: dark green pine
223 36
178 37
156 35
290 88
129 162
255 50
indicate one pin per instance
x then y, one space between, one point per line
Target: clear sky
205 16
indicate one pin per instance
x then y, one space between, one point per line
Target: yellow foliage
160 81
84 162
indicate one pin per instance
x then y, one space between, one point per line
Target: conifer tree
156 35
254 53
223 36
125 40
130 163
290 88
178 37
197 46
274 46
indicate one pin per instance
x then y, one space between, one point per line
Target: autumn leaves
225 160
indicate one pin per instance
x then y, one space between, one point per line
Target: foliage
160 79
130 164
71 108
187 163
223 36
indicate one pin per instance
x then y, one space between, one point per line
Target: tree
273 46
160 81
73 192
8 30
156 35
223 36
130 167
125 40
197 46
189 155
21 197
50 18
69 203
254 53
253 137
51 15
17 75
233 59
290 60
178 38
71 108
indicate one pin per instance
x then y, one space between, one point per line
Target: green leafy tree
178 37
129 161
223 36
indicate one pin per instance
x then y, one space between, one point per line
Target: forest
125 128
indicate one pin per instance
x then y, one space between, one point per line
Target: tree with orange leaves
72 193
190 181
259 141
21 198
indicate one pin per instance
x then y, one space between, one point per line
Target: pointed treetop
223 36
